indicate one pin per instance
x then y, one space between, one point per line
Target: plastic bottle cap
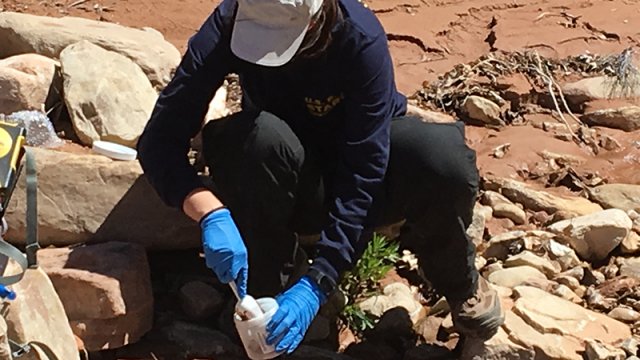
114 151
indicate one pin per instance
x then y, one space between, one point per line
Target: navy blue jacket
343 100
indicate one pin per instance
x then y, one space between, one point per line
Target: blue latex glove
6 293
224 250
297 308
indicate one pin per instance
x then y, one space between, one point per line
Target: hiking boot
479 316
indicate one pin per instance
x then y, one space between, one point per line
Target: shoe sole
484 327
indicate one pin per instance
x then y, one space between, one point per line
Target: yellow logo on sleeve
322 107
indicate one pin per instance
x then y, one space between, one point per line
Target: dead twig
550 84
76 3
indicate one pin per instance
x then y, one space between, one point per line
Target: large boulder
594 236
536 200
38 315
91 197
107 95
105 289
25 81
619 196
625 118
597 88
24 33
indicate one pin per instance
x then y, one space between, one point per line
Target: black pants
274 185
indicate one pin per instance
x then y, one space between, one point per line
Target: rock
499 347
592 277
514 276
597 301
491 268
626 118
535 200
566 293
630 346
608 142
48 36
105 289
114 108
429 116
618 287
441 306
481 214
550 314
564 255
513 242
25 81
428 328
561 159
90 197
528 258
577 273
503 208
571 282
624 314
630 244
594 236
598 351
480 262
484 110
200 300
5 349
596 88
200 342
631 268
546 345
610 271
396 294
37 314
619 196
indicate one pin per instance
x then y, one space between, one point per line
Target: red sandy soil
428 38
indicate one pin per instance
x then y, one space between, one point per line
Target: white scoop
251 319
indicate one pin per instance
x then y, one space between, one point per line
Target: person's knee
272 142
260 140
450 173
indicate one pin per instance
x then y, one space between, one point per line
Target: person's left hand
298 306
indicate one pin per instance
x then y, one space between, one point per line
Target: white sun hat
269 32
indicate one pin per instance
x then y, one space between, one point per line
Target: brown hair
318 36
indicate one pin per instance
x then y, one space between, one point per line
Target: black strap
32 212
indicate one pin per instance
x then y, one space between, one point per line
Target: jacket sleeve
364 154
180 109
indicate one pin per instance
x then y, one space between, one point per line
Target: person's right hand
224 250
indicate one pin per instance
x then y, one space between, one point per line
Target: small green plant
361 282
